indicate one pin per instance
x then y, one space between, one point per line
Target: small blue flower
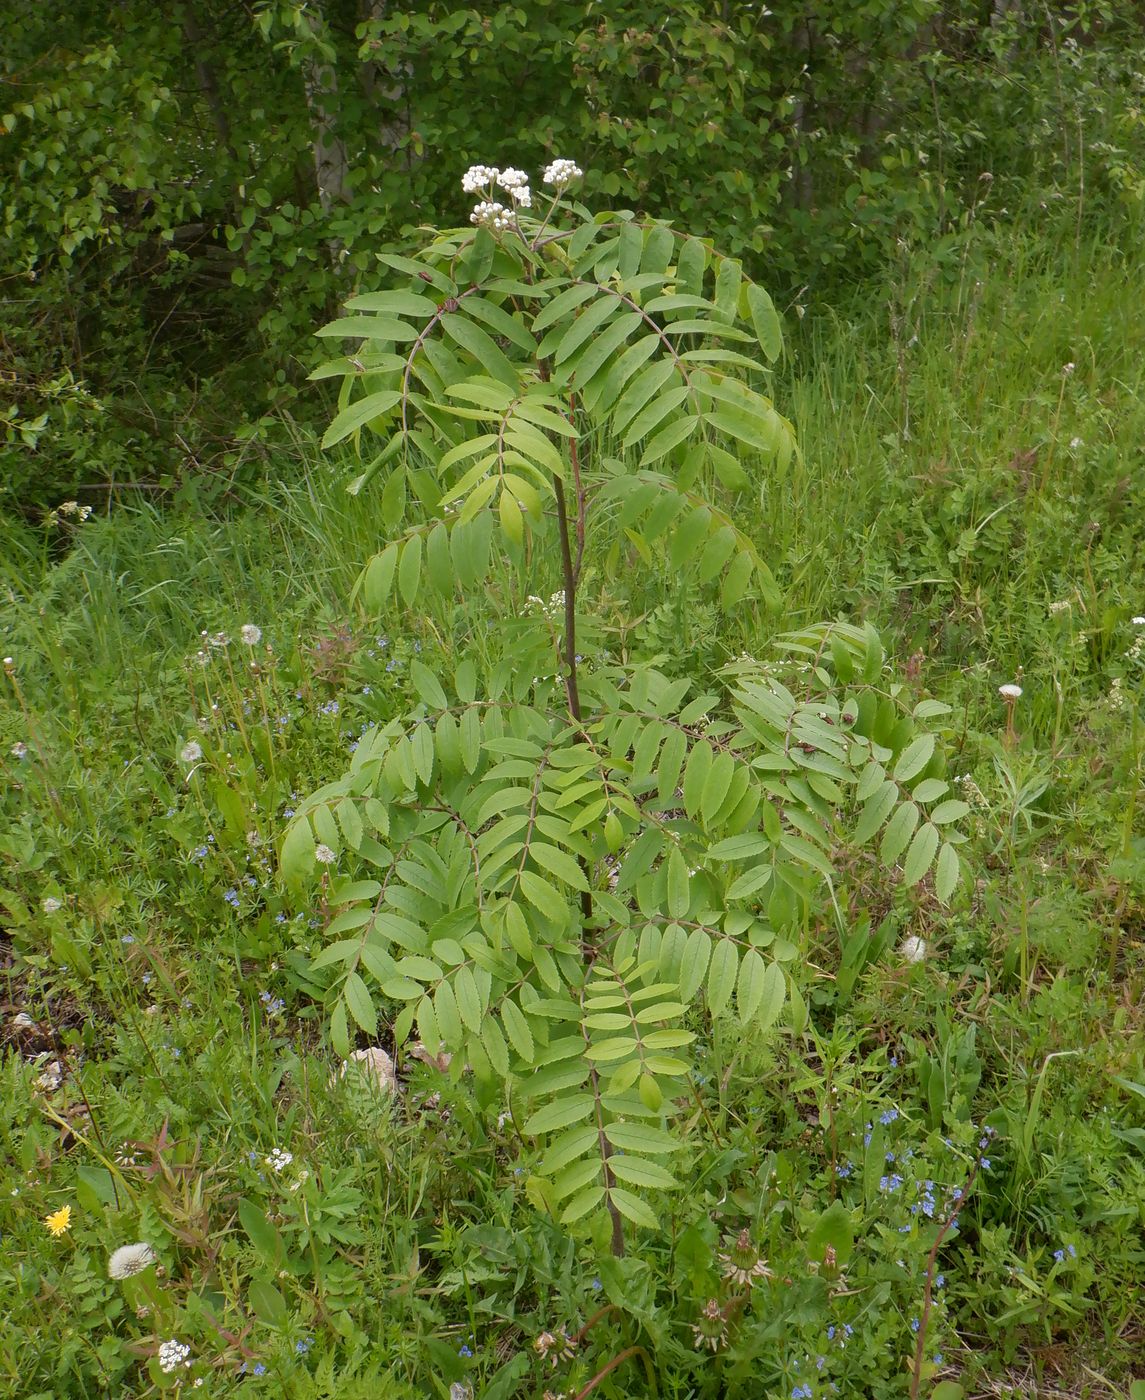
940 1281
597 1285
915 1324
259 1369
890 1156
1071 1251
894 1062
303 1346
831 1333
985 1164
938 1358
232 898
465 1351
888 1116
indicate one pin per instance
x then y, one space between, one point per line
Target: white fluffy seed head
250 634
1010 692
912 949
129 1260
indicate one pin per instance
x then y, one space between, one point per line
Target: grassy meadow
935 1187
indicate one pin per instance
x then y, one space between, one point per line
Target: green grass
954 483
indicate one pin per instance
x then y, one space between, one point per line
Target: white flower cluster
561 173
173 1354
1061 606
477 177
554 609
279 1160
492 215
129 1260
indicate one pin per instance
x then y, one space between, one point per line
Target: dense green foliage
894 1142
187 189
956 490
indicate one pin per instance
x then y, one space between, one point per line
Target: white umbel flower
1010 692
478 177
129 1260
912 949
561 173
173 1354
250 634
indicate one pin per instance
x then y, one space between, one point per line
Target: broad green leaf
562 1113
641 1138
750 985
469 1003
722 975
633 1208
517 1029
899 830
914 758
920 854
427 685
946 874
951 811
582 1204
765 320
558 863
679 895
358 414
716 786
409 569
543 896
360 1003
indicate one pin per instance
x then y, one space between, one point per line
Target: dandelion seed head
129 1260
250 634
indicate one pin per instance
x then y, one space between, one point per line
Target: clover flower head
250 634
191 751
490 214
479 177
173 1354
129 1260
323 854
561 173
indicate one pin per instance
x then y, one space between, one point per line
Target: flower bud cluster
490 214
561 173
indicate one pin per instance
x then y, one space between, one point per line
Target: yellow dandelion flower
59 1222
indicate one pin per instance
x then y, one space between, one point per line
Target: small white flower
490 214
1010 692
511 179
51 904
173 1354
191 751
129 1260
561 173
323 854
50 1077
19 750
522 198
912 949
250 634
1061 606
1137 621
1076 442
477 177
1068 369
279 1160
